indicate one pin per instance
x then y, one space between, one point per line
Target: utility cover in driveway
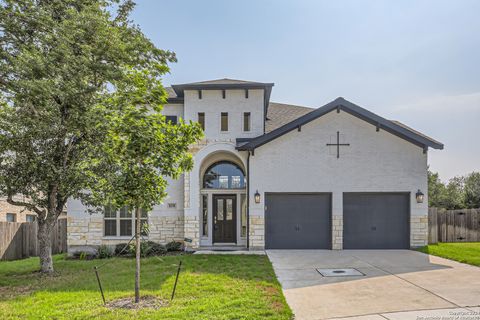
297 221
376 221
342 272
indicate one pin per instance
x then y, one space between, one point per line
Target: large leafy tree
454 195
458 193
141 150
436 190
472 190
62 65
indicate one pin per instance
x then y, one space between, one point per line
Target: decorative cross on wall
338 144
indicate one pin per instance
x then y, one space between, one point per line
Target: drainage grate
340 272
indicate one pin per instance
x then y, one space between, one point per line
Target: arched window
224 175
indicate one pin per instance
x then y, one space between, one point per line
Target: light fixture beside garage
257 197
419 196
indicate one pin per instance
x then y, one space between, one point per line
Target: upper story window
201 120
224 175
246 121
11 217
224 121
31 217
172 119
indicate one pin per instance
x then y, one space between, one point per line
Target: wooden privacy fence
461 225
19 240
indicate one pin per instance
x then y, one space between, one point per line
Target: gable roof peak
355 110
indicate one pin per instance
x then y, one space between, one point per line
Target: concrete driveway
396 284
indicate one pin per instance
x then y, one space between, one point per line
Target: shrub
155 249
174 246
104 252
132 248
82 255
118 249
147 249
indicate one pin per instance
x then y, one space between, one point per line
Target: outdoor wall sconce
419 196
257 197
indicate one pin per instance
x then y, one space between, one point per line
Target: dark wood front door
224 218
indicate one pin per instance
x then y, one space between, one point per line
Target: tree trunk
137 255
45 246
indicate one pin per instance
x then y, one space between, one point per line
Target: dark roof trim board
344 105
226 84
180 88
175 100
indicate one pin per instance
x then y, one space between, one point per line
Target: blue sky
413 61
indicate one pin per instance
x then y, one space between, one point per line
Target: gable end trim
357 111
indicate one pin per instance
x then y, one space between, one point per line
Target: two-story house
271 175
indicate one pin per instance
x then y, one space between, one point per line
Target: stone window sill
122 238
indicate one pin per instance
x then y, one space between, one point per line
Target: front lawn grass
466 252
209 287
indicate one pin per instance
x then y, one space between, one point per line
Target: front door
224 218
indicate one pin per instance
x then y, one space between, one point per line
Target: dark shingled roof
221 81
415 131
280 114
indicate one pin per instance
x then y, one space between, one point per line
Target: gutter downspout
248 200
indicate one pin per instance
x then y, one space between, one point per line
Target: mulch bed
146 302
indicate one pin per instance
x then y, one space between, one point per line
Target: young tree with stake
141 149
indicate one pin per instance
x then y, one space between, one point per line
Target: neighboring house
11 213
329 178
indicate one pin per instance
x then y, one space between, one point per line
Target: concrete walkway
397 284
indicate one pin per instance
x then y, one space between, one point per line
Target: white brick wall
374 162
295 162
235 103
184 220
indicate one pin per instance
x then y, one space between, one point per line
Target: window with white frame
121 223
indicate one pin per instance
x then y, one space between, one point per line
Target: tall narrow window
201 120
205 215
110 223
246 121
172 119
125 222
224 122
243 216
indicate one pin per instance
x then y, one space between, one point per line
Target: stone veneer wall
86 233
257 232
418 231
337 232
192 228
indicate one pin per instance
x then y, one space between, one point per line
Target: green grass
209 287
466 252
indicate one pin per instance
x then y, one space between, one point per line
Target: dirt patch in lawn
272 293
12 292
146 302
